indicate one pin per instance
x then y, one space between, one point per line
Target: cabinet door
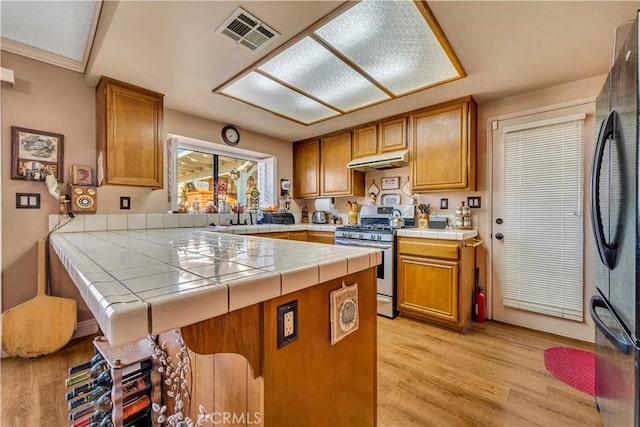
321 237
393 135
365 141
298 235
129 125
443 147
428 288
336 179
306 166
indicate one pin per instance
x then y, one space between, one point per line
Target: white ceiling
506 48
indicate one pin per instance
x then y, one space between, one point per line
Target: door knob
499 221
499 236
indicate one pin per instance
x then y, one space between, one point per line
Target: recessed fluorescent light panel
56 32
374 51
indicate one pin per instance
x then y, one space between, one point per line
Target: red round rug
573 367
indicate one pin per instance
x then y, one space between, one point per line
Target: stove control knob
380 237
372 237
361 236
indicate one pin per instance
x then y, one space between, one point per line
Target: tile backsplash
107 222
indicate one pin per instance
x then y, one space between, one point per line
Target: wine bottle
92 373
105 422
87 365
136 387
136 406
102 380
94 394
104 403
82 423
130 411
141 419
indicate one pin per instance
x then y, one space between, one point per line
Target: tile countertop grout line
97 264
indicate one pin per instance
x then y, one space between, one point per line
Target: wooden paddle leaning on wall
41 325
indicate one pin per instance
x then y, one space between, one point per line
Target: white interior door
534 227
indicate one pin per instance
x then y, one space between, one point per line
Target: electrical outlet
287 323
444 203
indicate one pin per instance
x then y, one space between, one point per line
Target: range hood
394 159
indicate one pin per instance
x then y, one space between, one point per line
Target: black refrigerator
614 217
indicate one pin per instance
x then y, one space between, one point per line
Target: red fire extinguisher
479 301
479 306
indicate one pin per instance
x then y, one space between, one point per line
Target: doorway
539 173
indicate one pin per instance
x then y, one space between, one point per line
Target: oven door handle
364 245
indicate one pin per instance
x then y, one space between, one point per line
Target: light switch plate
125 202
474 202
444 203
28 200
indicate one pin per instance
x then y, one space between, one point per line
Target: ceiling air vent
247 30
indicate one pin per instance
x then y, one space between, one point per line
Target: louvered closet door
539 220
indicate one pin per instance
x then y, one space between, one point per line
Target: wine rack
117 387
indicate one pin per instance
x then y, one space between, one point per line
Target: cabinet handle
474 244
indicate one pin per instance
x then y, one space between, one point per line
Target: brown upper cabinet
306 165
443 146
336 179
320 168
129 132
390 135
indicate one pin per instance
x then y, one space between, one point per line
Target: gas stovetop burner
366 227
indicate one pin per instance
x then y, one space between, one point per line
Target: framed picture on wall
81 175
35 154
391 183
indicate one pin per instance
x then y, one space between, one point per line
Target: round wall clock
230 135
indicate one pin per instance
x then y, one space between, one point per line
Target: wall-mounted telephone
83 199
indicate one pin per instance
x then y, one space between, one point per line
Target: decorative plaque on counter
344 312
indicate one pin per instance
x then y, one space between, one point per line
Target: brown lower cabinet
435 281
298 235
302 235
328 237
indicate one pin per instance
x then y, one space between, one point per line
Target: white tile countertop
140 282
430 233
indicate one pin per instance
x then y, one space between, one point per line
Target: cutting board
41 325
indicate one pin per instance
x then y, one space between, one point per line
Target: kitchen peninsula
224 292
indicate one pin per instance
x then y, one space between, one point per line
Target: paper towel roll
325 204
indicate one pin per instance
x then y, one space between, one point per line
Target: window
206 180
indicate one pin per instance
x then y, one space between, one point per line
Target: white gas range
374 231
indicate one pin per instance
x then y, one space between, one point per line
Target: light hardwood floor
427 376
492 376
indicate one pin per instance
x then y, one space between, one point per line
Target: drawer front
429 248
